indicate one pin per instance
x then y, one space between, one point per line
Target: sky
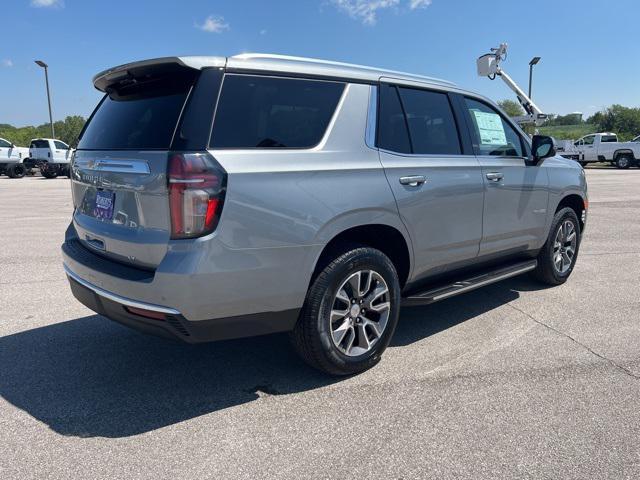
588 61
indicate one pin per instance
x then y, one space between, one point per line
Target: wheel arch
386 238
623 151
574 202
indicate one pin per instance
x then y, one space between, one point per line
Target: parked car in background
604 147
12 159
51 155
219 198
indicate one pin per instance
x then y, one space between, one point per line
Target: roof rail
363 68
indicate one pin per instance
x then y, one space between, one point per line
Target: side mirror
542 147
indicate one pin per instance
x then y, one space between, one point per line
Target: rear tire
350 313
623 161
16 170
558 256
48 172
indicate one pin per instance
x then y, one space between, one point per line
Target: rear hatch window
141 115
271 112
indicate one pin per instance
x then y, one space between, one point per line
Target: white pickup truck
604 147
12 159
52 156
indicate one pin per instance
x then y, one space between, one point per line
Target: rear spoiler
103 80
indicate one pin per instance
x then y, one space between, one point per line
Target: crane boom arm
489 66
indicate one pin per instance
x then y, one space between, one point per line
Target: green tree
511 107
67 130
624 121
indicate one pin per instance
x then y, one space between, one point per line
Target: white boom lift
489 66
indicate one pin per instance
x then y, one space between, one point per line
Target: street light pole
533 62
40 63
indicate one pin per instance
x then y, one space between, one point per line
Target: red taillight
196 194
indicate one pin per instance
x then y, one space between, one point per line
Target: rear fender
623 151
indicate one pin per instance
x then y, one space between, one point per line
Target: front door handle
413 180
495 176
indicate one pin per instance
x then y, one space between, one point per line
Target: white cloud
213 24
419 4
7 62
47 3
367 10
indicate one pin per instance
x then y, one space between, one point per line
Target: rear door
119 171
436 180
516 192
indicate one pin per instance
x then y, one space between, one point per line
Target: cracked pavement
509 381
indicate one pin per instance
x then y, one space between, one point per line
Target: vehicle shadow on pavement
417 323
91 377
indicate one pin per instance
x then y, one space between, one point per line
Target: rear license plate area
103 206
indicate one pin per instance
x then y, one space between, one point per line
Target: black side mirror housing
542 147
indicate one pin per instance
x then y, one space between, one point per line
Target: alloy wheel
564 246
360 312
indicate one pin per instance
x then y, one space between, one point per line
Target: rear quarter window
273 112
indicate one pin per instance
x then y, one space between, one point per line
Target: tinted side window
492 134
268 112
60 145
392 126
39 144
431 123
589 140
608 139
4 143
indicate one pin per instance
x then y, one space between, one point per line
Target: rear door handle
413 180
495 176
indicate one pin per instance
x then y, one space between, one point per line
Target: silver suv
218 198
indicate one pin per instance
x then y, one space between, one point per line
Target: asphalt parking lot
510 381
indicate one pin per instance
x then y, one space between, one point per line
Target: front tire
350 313
558 256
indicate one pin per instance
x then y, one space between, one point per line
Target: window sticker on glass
490 128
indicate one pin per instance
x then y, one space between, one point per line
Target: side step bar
456 288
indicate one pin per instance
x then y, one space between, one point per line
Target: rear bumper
173 324
200 279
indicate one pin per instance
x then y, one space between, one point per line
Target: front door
589 149
438 189
516 192
5 150
60 152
